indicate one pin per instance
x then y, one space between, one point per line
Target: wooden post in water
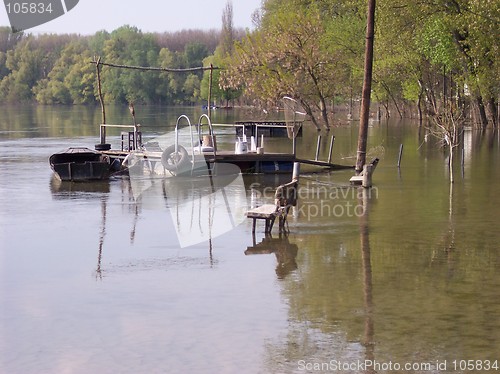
102 132
318 146
400 155
331 149
367 175
462 162
296 171
367 87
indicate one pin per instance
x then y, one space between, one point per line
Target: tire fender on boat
172 160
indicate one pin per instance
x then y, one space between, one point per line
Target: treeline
432 58
437 59
57 69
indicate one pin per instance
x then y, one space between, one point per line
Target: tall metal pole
367 87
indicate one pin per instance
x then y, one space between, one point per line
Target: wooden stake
318 146
400 155
102 132
331 149
98 68
296 171
367 175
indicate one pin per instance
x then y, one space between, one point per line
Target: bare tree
447 128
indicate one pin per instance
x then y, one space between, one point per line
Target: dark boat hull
80 164
79 172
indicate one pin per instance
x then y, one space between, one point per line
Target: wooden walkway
267 163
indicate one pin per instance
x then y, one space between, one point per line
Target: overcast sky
89 16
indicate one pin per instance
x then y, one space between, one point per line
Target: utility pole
367 87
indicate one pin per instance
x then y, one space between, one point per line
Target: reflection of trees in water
331 315
445 250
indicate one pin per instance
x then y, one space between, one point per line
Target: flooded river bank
95 280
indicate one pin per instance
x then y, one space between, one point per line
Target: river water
402 277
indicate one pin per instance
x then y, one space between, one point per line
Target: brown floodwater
402 277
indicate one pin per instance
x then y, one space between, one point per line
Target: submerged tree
441 52
287 57
447 128
71 80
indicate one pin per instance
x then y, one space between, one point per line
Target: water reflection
444 253
65 189
132 203
205 207
62 190
364 235
285 252
200 208
420 284
102 234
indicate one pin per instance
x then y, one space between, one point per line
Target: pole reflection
102 234
364 235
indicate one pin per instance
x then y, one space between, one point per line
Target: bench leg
284 225
253 226
271 223
266 229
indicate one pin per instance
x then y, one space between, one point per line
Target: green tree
191 88
8 41
24 64
436 50
219 92
163 89
194 53
65 83
129 46
289 55
97 42
31 59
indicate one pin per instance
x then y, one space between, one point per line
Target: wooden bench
284 198
363 178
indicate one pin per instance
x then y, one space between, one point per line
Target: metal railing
136 130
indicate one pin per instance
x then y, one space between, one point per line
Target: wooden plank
265 211
323 164
356 179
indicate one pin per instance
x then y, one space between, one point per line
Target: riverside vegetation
432 59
